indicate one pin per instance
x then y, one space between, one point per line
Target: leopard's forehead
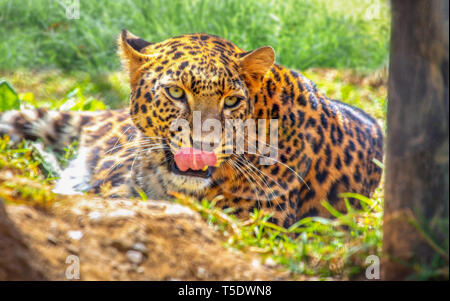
199 61
196 45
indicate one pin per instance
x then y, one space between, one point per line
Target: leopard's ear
255 64
131 52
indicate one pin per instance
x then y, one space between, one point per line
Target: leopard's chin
188 184
189 181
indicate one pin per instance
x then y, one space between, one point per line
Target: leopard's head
180 83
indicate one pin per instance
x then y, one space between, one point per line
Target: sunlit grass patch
49 88
367 91
28 171
314 246
22 180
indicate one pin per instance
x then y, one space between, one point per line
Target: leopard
325 148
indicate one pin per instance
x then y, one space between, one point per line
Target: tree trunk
417 159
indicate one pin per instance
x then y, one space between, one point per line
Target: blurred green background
304 33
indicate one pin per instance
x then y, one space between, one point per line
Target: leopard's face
184 92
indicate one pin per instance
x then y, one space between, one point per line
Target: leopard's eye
175 92
232 101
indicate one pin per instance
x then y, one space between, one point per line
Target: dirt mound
119 240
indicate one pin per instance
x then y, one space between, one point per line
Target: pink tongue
194 159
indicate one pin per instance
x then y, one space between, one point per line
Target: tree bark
417 158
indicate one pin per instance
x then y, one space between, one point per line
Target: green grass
308 33
314 246
365 91
23 179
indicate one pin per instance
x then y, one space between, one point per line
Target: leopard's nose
207 144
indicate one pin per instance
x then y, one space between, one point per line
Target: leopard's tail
55 128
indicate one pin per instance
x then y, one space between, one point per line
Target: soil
119 240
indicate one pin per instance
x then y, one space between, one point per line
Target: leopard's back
325 148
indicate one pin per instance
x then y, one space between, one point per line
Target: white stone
95 216
256 263
121 213
75 234
202 273
134 256
140 247
176 209
270 262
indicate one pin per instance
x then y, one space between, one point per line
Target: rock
135 257
123 243
140 247
95 216
270 262
52 239
202 273
120 214
73 249
175 209
256 263
75 234
53 228
76 212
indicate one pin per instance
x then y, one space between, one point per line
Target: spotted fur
325 146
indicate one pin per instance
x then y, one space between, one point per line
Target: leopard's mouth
192 173
172 167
